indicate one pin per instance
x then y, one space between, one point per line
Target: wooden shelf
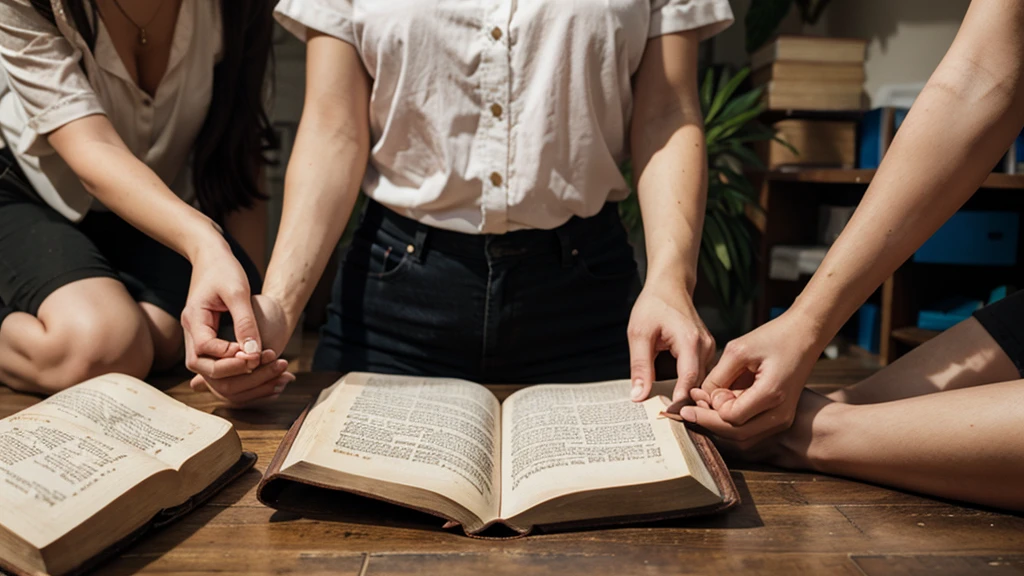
858 176
823 176
914 336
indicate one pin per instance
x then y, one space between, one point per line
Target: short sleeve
332 17
43 73
708 16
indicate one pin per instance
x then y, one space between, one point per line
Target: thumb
641 365
246 330
724 374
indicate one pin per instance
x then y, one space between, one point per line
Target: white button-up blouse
46 87
488 116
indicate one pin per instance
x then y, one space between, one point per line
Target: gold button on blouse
496 110
495 178
496 33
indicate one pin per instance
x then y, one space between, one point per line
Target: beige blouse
494 115
46 88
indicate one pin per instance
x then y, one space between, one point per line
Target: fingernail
637 393
250 346
279 388
687 414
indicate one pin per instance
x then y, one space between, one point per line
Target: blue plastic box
868 327
974 238
874 133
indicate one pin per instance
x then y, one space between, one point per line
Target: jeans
528 306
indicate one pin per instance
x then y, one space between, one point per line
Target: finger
720 396
711 420
688 367
201 325
641 364
217 369
247 333
725 372
229 387
268 390
699 395
763 396
703 404
198 384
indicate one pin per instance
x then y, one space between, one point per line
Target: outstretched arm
960 125
326 168
670 164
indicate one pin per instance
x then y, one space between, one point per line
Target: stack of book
818 75
811 73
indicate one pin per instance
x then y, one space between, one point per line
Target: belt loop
418 248
568 250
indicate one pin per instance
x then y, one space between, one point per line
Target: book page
560 439
54 476
134 413
437 434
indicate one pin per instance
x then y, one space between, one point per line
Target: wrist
203 240
673 274
291 307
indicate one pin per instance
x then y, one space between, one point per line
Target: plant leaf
706 91
724 93
718 240
741 103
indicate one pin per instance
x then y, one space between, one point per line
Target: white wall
906 38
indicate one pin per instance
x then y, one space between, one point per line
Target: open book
86 472
551 456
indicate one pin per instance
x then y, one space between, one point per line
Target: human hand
752 392
664 318
269 379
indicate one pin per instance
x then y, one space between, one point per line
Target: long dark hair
231 147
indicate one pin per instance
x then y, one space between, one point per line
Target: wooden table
788 523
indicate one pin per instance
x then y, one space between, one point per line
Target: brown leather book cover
305 498
246 461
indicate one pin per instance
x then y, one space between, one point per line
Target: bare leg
963 356
963 444
84 329
168 339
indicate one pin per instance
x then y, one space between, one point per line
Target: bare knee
93 344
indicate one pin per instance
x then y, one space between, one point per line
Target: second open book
551 455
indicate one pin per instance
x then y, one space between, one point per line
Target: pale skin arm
960 125
670 164
327 164
124 184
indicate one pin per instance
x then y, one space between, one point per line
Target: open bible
552 456
86 472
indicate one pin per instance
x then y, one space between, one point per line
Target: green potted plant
726 261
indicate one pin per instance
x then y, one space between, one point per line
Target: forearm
125 185
669 158
672 191
962 444
317 205
963 121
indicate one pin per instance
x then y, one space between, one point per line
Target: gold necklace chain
142 28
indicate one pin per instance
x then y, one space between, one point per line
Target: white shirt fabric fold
499 115
46 88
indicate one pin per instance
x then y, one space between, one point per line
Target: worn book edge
166 516
273 482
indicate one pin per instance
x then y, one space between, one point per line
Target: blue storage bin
948 315
868 328
977 238
876 129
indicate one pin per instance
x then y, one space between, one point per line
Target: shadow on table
153 545
334 506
